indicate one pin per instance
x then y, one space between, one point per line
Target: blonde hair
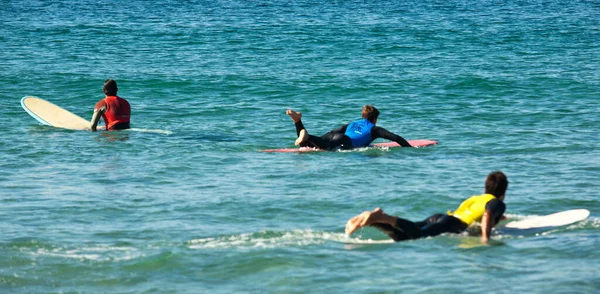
370 112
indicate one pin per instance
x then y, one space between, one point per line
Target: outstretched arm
378 132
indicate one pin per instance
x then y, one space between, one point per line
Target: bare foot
364 219
296 116
302 137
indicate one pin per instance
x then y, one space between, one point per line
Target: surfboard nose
50 114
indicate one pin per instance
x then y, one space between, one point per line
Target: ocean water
186 203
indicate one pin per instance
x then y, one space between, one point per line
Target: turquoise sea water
195 208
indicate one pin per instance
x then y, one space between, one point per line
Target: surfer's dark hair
110 87
496 184
370 112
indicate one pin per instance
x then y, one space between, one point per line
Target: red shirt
117 111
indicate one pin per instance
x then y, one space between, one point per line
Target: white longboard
52 115
551 220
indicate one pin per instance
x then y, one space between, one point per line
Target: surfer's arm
494 211
378 132
96 118
486 226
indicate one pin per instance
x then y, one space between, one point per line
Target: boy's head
370 112
110 88
496 184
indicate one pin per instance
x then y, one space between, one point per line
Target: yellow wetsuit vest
472 209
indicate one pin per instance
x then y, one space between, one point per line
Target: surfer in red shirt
114 110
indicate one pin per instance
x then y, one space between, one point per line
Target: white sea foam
278 240
94 253
155 131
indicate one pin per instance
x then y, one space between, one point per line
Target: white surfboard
551 220
52 115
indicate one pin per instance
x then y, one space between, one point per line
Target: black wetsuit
435 225
121 126
337 138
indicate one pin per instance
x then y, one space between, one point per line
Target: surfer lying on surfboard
356 134
488 209
114 110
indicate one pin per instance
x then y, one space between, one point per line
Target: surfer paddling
356 134
114 110
488 209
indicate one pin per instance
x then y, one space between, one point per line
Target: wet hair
496 184
110 87
370 112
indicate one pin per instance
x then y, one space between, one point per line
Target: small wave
270 239
94 253
591 222
155 131
366 149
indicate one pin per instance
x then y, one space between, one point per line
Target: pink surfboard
414 143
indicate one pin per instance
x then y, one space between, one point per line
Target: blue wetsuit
360 132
